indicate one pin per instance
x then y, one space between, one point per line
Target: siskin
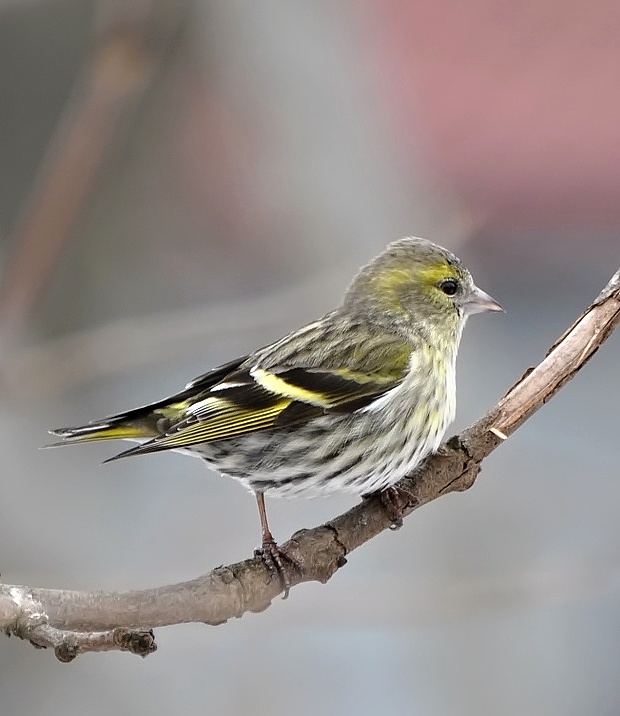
352 402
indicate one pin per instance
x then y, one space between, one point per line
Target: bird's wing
145 421
258 398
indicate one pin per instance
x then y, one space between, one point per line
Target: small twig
24 617
231 591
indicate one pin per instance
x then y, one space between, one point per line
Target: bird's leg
396 500
270 552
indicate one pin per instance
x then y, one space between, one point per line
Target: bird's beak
479 301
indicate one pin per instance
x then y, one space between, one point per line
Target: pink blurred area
517 105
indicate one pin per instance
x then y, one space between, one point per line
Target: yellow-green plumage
353 401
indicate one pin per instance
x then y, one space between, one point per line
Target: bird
351 402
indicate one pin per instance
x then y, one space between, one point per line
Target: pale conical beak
479 301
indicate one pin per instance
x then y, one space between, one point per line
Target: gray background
259 171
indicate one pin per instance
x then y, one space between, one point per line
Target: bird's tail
140 424
103 430
149 421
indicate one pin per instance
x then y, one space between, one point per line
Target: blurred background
182 182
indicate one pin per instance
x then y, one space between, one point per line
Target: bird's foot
396 501
275 558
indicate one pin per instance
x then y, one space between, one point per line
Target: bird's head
415 282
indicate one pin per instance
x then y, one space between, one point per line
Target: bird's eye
449 286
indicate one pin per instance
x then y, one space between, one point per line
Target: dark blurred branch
73 622
132 343
126 57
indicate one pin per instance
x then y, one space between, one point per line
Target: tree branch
124 61
74 622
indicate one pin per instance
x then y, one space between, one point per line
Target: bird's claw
396 501
274 558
